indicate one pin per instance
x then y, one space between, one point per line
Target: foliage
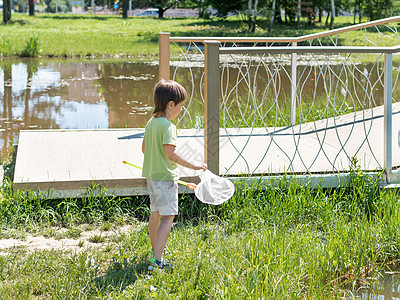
57 6
31 48
226 7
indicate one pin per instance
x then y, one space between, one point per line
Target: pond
73 95
88 94
387 286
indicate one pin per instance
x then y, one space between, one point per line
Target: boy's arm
170 151
143 146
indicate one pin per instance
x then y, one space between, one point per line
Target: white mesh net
213 189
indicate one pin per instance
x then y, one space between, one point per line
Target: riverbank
102 36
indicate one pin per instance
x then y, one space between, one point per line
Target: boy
160 165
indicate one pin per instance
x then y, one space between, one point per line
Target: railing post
211 105
387 138
163 55
293 89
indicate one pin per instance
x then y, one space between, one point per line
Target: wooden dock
65 163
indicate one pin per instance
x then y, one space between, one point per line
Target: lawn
274 242
111 36
282 241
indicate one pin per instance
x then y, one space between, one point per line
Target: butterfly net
213 189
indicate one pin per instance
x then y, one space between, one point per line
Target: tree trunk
6 11
285 8
125 6
249 17
272 15
278 17
371 11
298 13
161 13
255 15
355 12
31 7
332 14
327 19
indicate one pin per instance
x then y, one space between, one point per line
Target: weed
73 233
31 47
97 239
105 226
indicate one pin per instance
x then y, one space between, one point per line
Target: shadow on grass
14 22
225 28
120 275
79 17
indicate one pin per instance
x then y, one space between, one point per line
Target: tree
290 8
272 15
224 7
252 14
31 7
277 12
371 10
56 5
125 7
162 5
331 26
6 11
298 13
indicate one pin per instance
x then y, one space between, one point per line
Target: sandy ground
40 242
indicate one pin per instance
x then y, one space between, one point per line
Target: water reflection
386 287
73 95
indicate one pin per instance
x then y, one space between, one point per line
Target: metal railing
213 52
218 57
165 39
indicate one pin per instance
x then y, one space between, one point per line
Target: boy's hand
200 167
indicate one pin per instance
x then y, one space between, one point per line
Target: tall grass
31 47
273 241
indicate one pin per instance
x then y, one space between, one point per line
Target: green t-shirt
156 165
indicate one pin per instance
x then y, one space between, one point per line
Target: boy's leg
162 236
154 224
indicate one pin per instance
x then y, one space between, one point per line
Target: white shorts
163 196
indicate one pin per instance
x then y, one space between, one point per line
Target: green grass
273 241
111 36
277 241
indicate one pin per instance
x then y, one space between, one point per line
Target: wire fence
293 110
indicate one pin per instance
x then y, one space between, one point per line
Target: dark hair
165 91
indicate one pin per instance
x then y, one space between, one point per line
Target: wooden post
387 135
293 89
163 55
211 106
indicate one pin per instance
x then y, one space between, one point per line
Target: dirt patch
90 238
